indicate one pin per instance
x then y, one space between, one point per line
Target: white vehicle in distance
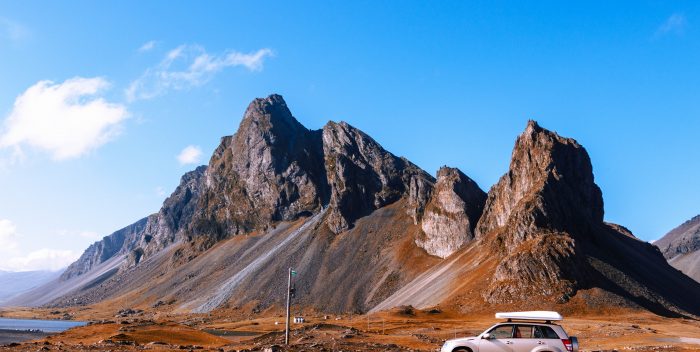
521 332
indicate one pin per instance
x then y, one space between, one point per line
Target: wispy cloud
66 119
674 24
12 30
147 46
190 66
42 259
12 259
190 155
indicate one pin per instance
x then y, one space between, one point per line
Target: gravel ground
10 336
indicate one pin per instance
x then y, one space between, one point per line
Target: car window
544 332
522 331
502 332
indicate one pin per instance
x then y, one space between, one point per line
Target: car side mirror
486 336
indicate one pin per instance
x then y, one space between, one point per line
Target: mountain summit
540 213
271 170
368 230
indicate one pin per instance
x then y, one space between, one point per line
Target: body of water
43 325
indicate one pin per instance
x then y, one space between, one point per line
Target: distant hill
368 230
13 284
681 246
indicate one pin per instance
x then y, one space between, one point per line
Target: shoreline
8 336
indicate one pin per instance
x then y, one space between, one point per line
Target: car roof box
531 315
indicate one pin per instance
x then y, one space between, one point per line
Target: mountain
13 284
127 247
368 230
681 247
542 241
332 203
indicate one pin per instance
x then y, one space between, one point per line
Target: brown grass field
395 330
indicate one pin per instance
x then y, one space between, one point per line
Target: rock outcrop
364 177
681 247
451 214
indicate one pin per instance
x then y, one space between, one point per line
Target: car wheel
461 349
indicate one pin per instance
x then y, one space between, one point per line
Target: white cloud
8 236
12 30
11 258
189 66
42 259
65 119
190 155
674 24
147 46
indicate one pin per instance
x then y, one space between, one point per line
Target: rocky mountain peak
552 171
269 118
270 170
537 211
451 214
363 176
532 127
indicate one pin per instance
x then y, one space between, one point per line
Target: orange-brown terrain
399 329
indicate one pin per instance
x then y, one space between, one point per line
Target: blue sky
99 99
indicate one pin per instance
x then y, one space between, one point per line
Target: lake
43 325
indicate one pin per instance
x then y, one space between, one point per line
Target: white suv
522 332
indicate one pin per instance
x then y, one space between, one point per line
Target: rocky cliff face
172 223
552 174
117 243
681 246
270 170
274 169
546 201
364 177
451 214
148 235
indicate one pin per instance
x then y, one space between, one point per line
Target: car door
524 338
500 339
544 335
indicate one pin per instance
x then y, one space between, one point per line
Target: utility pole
289 302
